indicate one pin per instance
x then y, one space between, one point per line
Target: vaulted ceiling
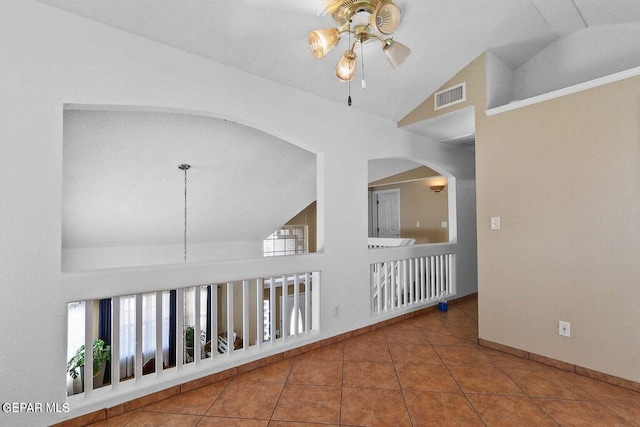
269 38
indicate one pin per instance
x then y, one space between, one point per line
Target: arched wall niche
123 193
422 214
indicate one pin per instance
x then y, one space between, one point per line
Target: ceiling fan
365 20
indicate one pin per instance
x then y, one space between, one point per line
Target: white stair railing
411 281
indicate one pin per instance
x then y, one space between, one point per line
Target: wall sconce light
436 183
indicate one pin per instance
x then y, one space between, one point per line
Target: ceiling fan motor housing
385 15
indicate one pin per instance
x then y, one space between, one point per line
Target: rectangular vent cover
450 96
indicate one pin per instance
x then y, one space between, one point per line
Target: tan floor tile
427 322
465 334
403 325
157 419
246 400
231 422
426 378
606 392
452 312
117 421
376 336
373 407
484 380
446 337
547 382
631 413
330 352
580 413
440 409
406 336
412 353
370 375
316 372
195 402
305 403
298 424
463 322
367 349
454 355
509 411
506 361
275 373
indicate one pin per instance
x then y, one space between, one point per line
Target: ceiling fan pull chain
364 84
349 83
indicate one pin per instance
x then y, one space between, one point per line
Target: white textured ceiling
268 38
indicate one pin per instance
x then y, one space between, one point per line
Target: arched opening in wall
409 203
124 194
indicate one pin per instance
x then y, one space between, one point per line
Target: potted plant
189 332
101 354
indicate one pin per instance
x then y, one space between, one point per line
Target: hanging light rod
185 167
384 19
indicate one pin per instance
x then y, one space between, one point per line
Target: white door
387 213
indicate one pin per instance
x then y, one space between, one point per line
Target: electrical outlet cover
564 328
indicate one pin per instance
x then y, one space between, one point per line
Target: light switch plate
495 223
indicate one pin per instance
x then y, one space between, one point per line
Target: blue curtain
172 328
104 330
209 315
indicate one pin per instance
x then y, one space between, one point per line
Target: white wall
49 58
579 57
499 81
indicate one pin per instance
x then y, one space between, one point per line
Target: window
287 240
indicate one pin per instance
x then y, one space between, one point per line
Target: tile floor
424 371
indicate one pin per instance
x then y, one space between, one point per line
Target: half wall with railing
141 338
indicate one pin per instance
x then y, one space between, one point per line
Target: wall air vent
451 96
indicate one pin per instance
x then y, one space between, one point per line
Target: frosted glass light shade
395 52
386 18
322 41
436 183
346 67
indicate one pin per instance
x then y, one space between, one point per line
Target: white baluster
285 312
245 314
272 309
296 303
179 328
214 320
138 360
115 343
88 348
259 312
309 287
159 353
197 329
412 262
230 340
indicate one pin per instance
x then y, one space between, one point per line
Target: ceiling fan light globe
395 52
386 18
346 67
322 41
